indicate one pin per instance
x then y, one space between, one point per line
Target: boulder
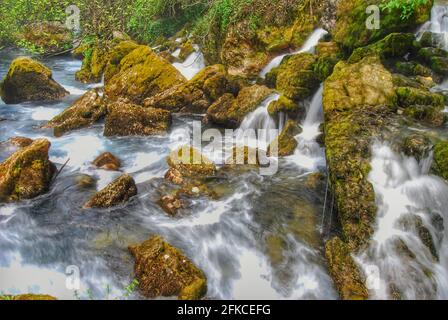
116 193
190 163
107 161
95 57
328 54
286 141
283 104
126 119
295 77
408 96
163 271
27 173
20 142
142 74
230 111
29 80
196 95
440 163
85 111
115 56
170 204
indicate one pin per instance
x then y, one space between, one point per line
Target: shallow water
259 240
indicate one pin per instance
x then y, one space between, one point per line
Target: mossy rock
417 146
196 95
440 163
107 161
20 142
27 173
85 111
395 45
295 77
142 74
413 68
286 142
344 271
29 80
163 271
190 163
126 119
440 65
118 192
430 115
185 50
329 55
24 297
408 96
48 37
427 53
95 58
283 104
351 32
115 56
243 155
230 111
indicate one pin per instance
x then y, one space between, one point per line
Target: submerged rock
190 163
196 95
29 80
440 163
84 112
27 173
170 204
142 74
117 192
107 161
163 270
230 111
344 271
126 119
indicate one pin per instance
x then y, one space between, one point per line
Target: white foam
44 114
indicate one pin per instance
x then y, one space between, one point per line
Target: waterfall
194 63
412 204
437 25
309 45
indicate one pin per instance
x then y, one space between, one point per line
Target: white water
438 25
404 190
194 63
308 46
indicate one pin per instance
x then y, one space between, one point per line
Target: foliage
407 7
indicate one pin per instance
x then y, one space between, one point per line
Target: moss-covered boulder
295 77
429 115
344 271
436 58
408 96
84 112
351 31
294 109
24 297
440 163
230 111
27 173
126 119
196 95
116 193
95 57
163 271
107 161
185 50
417 146
115 56
412 68
328 54
47 37
286 141
29 80
142 74
190 163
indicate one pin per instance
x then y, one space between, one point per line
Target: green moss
288 106
440 164
408 96
413 69
429 115
286 141
117 54
27 297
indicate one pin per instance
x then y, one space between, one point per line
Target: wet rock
408 96
174 176
20 142
413 69
230 111
48 37
196 95
142 74
95 57
417 146
85 181
286 142
29 80
190 163
115 56
344 271
84 112
315 181
351 32
170 204
116 193
27 173
126 119
107 161
291 108
163 270
440 163
27 297
429 115
436 58
185 50
295 77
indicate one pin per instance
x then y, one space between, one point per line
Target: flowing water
438 24
260 238
308 46
194 63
